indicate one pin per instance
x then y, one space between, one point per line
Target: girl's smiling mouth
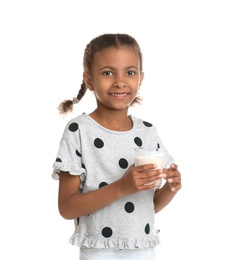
119 95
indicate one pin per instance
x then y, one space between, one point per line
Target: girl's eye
130 73
107 73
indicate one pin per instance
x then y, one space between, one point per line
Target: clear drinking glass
146 155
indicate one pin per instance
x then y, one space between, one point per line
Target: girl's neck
114 120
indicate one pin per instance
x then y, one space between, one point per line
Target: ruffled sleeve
69 156
168 159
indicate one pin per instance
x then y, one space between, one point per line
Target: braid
67 105
82 91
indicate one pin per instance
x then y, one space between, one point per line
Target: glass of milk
148 155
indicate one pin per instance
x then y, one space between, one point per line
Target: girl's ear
142 77
87 81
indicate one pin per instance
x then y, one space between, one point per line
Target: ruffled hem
58 166
114 243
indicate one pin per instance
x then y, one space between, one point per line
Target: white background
188 94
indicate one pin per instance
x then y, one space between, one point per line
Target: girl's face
115 77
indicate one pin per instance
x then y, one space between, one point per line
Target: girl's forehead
111 54
115 50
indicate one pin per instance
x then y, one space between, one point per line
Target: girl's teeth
119 95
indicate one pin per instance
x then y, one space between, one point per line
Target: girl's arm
73 204
163 196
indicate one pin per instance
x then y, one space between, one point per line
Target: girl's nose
120 85
119 82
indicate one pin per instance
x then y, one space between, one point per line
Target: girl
112 202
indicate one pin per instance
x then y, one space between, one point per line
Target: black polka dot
77 221
73 127
147 229
102 184
58 160
123 163
147 124
77 153
107 232
138 141
98 143
129 207
83 166
158 145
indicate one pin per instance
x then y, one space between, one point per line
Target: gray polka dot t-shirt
101 156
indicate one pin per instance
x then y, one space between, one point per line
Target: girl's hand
140 178
173 177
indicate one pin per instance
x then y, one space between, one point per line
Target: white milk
147 159
143 156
